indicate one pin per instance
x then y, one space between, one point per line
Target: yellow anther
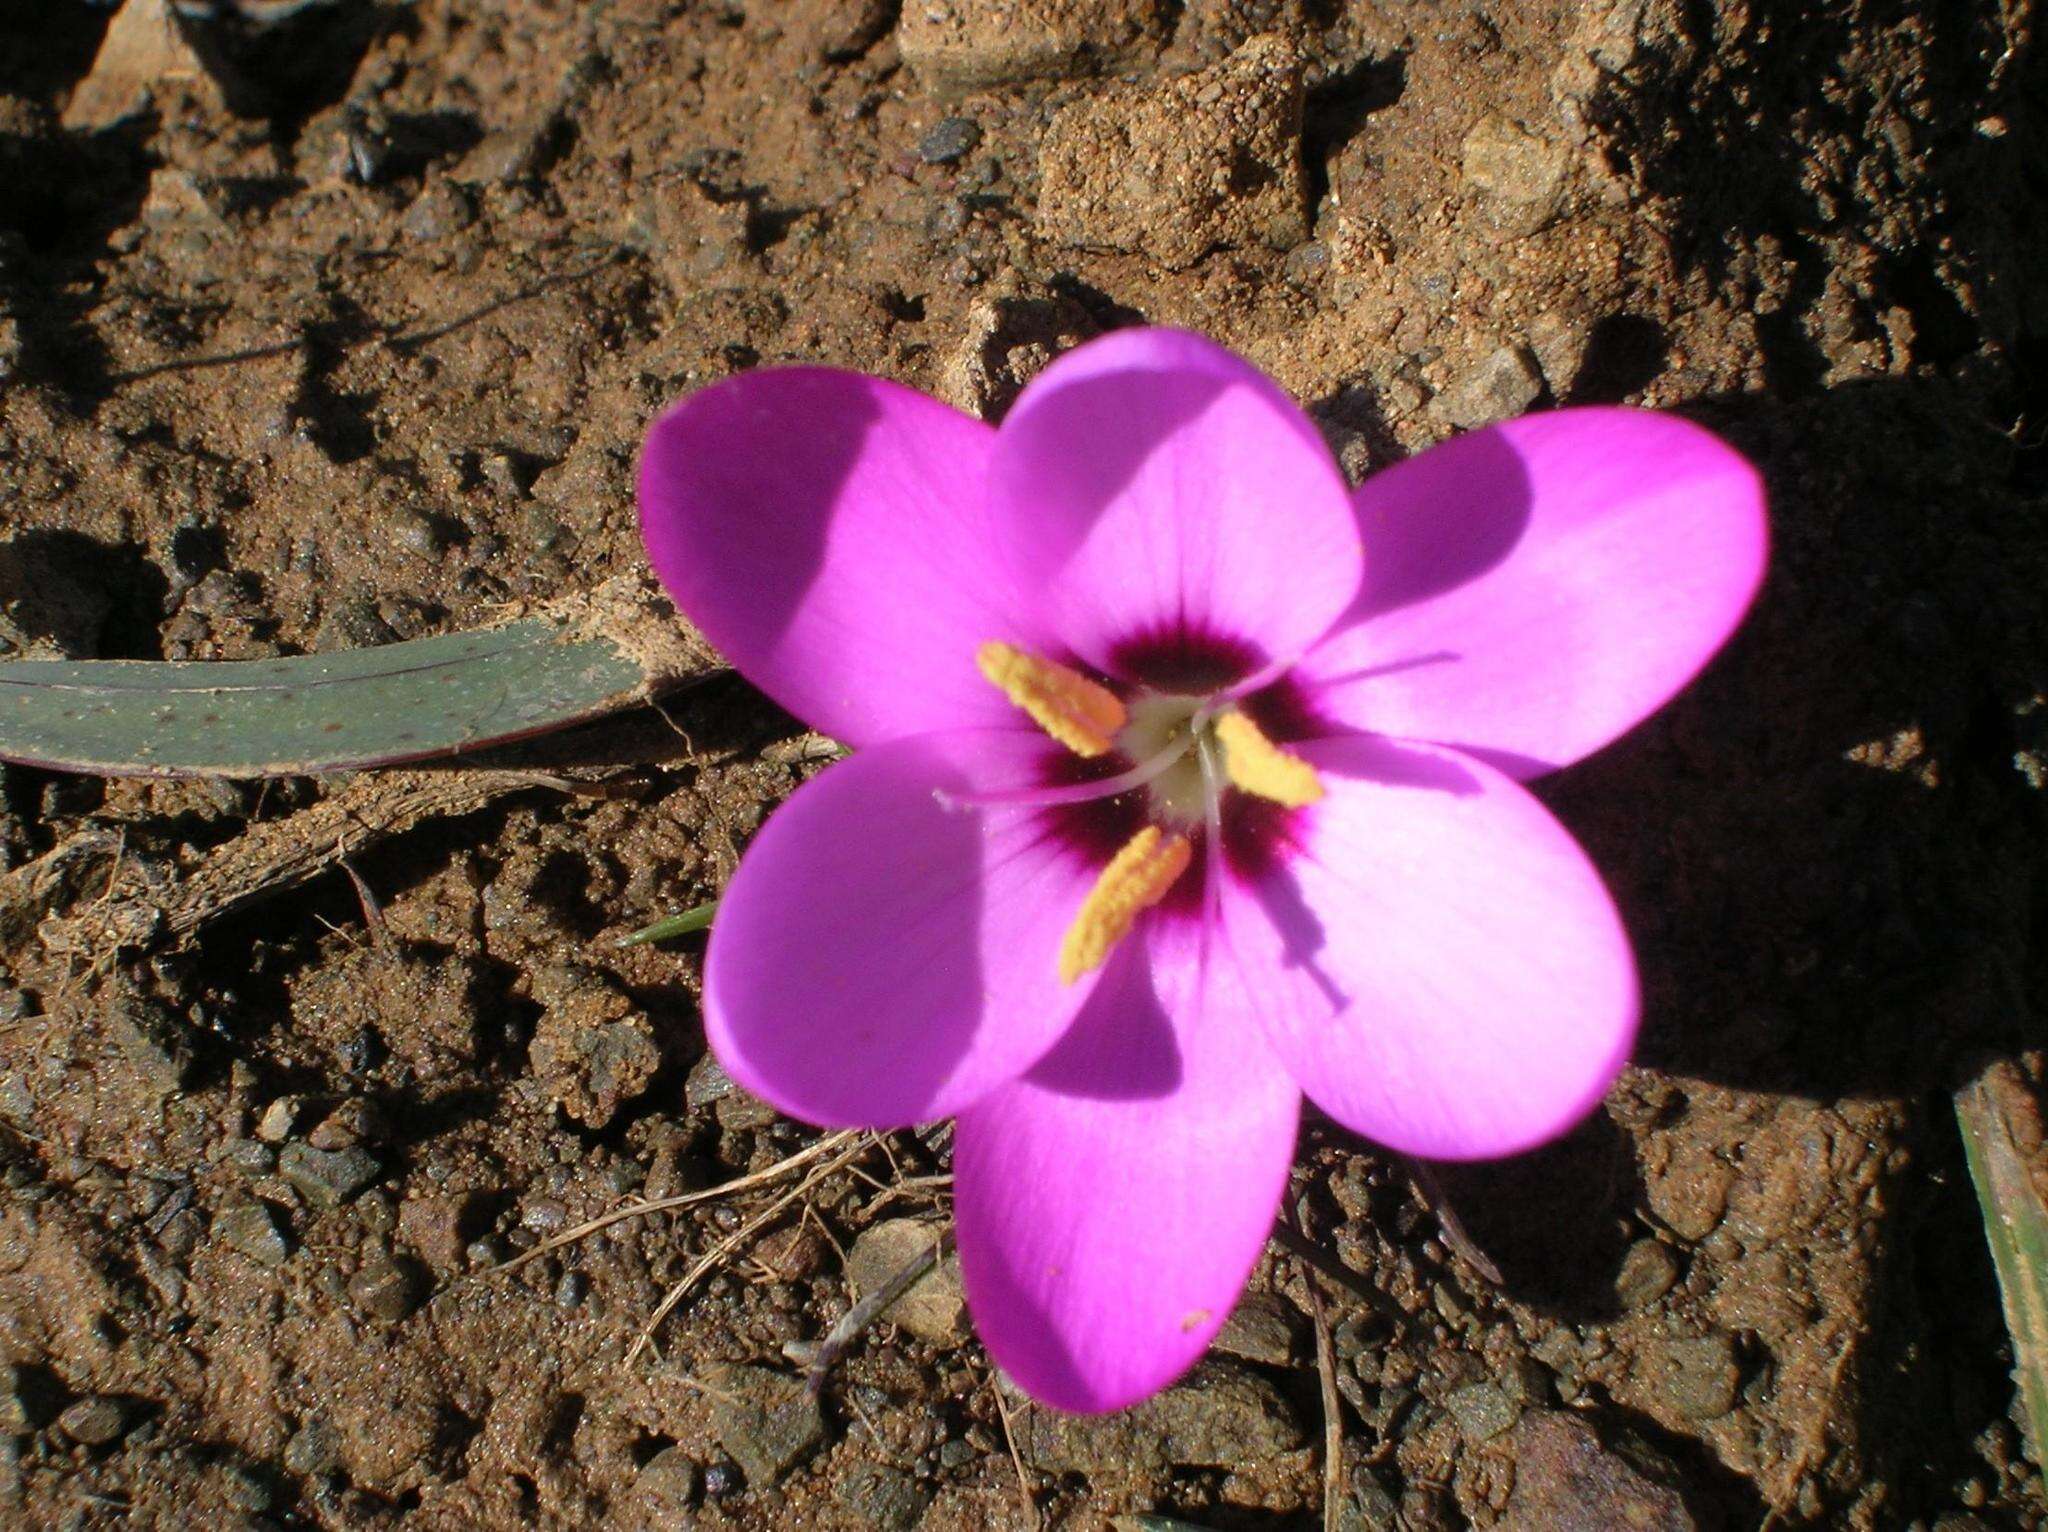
1066 704
1259 766
1136 878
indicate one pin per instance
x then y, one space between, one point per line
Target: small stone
386 1288
275 1125
1647 1273
93 1421
743 1113
1566 1481
793 1254
963 45
949 139
1519 176
1223 1415
664 1490
1261 1329
1482 1411
251 1228
934 1308
442 209
707 1083
418 533
1504 384
721 1479
1698 1375
315 1447
18 1411
768 1421
571 1290
435 1228
484 1252
250 1157
956 1453
328 1178
356 1121
544 1215
883 1498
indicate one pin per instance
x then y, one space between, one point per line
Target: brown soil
361 344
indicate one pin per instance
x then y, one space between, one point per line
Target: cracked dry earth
351 336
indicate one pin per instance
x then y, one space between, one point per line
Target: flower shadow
1121 1047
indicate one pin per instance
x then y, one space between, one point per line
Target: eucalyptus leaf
367 707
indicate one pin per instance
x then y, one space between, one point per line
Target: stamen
1258 766
1074 710
1145 771
1136 878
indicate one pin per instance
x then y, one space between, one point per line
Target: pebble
949 139
314 1448
883 1498
1503 384
935 1306
17 1405
93 1421
275 1125
767 1420
328 1177
386 1288
721 1479
251 1228
707 1083
544 1215
1261 1329
1647 1273
250 1157
664 1490
571 1290
1482 1411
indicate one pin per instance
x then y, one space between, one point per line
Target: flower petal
1112 1202
1539 587
1151 488
827 533
1434 958
881 960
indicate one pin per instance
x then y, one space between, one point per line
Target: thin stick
738 1237
1333 1420
865 1312
1461 1243
589 1227
1024 1490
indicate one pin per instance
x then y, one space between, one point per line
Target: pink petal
1111 1204
880 960
1435 959
1538 587
1150 486
826 531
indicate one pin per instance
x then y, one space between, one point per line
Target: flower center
1184 751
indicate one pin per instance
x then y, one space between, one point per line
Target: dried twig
588 1227
820 1357
1025 1492
746 1231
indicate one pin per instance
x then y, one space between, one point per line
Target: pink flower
1184 781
